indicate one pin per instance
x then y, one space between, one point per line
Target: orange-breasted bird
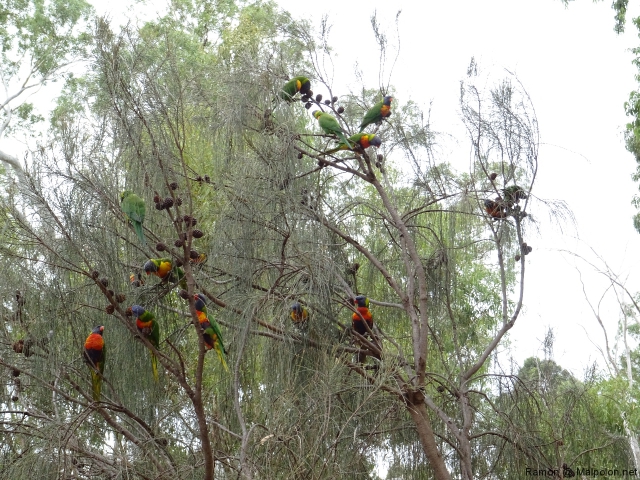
94 355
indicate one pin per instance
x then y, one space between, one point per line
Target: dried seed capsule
156 198
199 178
178 243
305 98
14 399
334 99
168 202
310 93
178 201
207 179
179 262
193 254
327 102
307 105
300 155
197 234
318 98
161 247
187 219
128 312
517 258
184 294
18 346
104 282
193 222
15 373
109 309
493 176
121 297
111 292
95 274
340 109
159 206
173 185
380 157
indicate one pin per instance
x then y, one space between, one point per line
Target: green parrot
362 140
376 113
149 328
94 355
163 268
331 126
513 194
133 207
210 329
293 86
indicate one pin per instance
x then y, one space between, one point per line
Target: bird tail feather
96 382
154 366
137 226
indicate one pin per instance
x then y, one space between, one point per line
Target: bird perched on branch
148 328
375 114
513 194
164 269
359 141
293 86
496 209
363 314
299 314
94 355
331 126
133 207
210 330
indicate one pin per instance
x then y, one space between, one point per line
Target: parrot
362 305
210 331
376 113
299 314
148 328
359 140
331 126
94 355
513 194
495 209
163 269
293 86
133 207
202 258
201 303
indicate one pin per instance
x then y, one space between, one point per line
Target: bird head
305 86
99 329
125 194
387 100
201 301
317 113
150 267
361 301
137 310
296 307
489 203
374 140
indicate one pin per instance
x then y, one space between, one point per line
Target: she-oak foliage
182 113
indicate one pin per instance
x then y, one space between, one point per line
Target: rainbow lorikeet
299 314
200 303
133 207
495 209
135 280
164 269
211 333
359 140
513 194
293 86
94 355
375 114
331 126
148 328
362 306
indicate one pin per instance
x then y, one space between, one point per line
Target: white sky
578 74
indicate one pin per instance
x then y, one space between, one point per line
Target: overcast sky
578 74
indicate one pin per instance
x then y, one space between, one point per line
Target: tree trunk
418 410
